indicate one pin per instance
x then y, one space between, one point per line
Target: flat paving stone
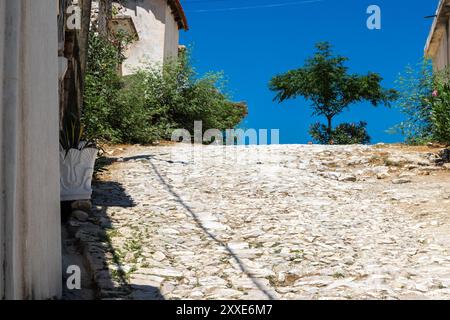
280 222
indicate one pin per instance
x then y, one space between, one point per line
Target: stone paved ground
282 222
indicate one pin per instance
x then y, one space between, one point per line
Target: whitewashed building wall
438 44
171 36
158 33
30 229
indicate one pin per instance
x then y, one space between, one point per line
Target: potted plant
77 159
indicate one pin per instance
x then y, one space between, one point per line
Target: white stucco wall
158 33
440 60
2 215
30 229
438 43
171 36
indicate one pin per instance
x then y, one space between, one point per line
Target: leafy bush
174 96
415 87
148 105
425 100
440 107
102 85
345 133
136 120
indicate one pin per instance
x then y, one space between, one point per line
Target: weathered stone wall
438 43
2 222
30 235
104 15
171 36
442 53
158 33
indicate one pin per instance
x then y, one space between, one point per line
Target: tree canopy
326 82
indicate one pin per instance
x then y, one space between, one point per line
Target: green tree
325 81
415 86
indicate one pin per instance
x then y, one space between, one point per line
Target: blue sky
254 44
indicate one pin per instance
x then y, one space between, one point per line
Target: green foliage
102 86
425 101
136 119
415 88
71 135
345 133
324 80
440 107
176 97
148 105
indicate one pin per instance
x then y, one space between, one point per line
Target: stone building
156 24
30 228
42 65
438 44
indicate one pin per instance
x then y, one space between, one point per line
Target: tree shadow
152 157
90 246
110 194
148 158
199 223
113 283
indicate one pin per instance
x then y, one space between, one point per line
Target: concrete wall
158 33
441 58
172 36
438 43
30 235
442 55
2 216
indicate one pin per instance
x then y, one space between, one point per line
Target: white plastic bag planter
77 169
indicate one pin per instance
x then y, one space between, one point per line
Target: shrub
176 97
102 86
440 107
415 86
425 101
137 119
149 104
345 133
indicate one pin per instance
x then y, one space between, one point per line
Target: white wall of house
172 36
158 33
30 229
438 44
440 59
442 55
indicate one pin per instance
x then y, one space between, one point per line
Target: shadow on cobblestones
231 253
111 194
92 249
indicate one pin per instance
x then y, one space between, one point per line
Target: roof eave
437 28
178 12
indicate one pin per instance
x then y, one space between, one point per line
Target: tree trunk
83 34
104 16
329 129
76 43
62 60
